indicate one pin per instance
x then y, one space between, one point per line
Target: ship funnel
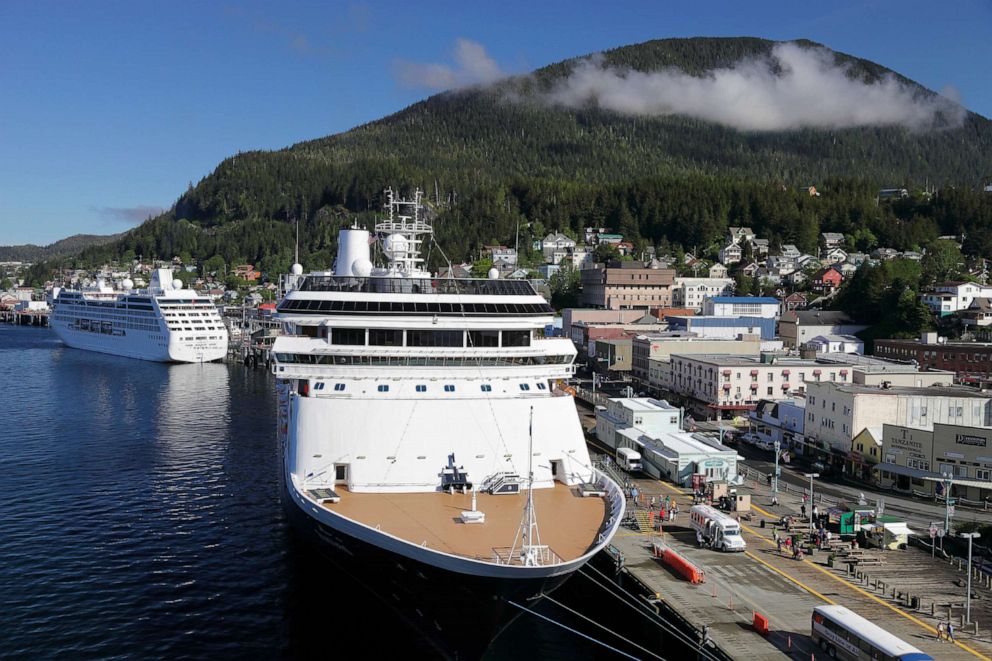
353 246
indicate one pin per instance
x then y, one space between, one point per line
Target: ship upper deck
569 524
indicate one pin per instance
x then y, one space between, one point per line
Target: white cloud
808 90
472 66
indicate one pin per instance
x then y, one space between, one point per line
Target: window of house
983 473
770 390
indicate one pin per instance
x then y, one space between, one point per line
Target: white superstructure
404 395
165 322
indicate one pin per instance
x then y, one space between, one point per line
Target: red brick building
970 361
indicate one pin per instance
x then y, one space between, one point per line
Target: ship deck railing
417 285
518 555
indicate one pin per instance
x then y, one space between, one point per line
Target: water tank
353 245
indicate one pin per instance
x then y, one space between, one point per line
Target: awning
816 372
726 372
785 372
906 470
898 528
785 386
961 482
754 372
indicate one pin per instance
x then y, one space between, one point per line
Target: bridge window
435 338
516 338
350 336
485 387
385 337
449 388
338 387
525 386
421 388
383 388
483 338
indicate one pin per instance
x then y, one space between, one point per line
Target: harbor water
141 516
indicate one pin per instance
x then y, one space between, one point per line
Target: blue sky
108 110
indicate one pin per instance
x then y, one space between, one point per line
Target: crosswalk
752 574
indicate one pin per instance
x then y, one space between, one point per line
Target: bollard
932 604
731 601
790 642
714 590
974 627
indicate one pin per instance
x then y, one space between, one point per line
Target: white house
837 344
556 247
731 254
691 292
950 297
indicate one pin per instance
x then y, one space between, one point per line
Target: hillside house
718 270
731 253
830 240
827 281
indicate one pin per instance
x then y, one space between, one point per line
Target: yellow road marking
789 577
840 580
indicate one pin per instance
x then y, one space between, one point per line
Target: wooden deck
568 523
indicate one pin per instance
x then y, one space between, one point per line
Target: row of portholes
448 387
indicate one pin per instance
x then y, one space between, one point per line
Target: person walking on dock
802 510
950 632
940 632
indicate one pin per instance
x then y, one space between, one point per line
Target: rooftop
745 299
931 391
644 404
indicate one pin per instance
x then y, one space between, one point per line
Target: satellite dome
297 269
177 284
361 268
493 273
128 284
395 243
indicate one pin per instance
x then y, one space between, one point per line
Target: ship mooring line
604 628
575 631
641 608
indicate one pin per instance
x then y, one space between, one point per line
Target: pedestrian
775 499
816 513
671 514
950 632
940 632
802 510
778 544
652 502
633 493
699 538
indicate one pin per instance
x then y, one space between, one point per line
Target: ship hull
135 345
458 613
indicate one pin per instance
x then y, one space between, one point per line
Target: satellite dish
361 268
494 273
297 269
395 244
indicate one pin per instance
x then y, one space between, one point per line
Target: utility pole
967 611
948 482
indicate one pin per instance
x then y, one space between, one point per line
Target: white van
629 459
718 530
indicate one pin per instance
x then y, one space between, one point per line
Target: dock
907 592
24 317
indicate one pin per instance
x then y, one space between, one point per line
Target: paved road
918 511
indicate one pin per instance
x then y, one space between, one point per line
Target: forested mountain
63 248
493 158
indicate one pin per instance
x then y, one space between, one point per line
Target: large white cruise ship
165 322
428 446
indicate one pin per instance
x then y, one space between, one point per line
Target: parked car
764 444
821 468
749 438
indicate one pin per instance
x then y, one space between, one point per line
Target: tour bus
629 459
720 531
843 634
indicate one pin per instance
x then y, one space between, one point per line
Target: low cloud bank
794 88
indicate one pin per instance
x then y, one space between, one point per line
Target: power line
575 631
604 628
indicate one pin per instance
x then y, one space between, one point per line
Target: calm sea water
140 515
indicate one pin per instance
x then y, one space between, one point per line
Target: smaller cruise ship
164 323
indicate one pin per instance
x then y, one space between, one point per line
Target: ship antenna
528 533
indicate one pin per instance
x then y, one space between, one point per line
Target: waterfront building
765 307
658 347
969 361
713 327
917 460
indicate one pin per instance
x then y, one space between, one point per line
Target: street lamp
948 482
811 476
970 536
778 446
